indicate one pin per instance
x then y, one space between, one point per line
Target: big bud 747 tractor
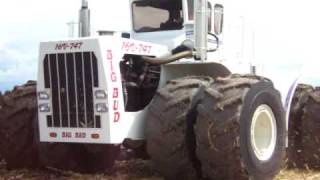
167 82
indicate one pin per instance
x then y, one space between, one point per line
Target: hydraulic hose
166 60
178 55
217 40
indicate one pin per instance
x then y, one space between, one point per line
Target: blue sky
286 31
23 25
26 23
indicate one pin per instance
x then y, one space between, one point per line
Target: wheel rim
263 132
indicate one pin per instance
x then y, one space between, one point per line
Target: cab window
191 12
150 16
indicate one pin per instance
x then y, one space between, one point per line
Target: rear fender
309 76
177 70
288 82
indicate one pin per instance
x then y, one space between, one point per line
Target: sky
287 31
26 23
23 25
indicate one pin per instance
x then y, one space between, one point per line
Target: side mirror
218 19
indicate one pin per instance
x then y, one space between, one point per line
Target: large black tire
169 131
308 143
298 104
223 129
18 145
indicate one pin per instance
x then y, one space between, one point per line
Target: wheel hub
263 133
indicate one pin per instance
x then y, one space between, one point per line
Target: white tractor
167 82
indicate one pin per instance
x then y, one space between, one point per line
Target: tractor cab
149 16
168 22
161 22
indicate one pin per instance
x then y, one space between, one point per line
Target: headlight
44 108
101 94
43 95
101 107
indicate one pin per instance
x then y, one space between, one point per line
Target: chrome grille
71 78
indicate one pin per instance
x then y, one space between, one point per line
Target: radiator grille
71 77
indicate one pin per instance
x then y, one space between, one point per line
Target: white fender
286 80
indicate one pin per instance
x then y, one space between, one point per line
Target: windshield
190 9
149 16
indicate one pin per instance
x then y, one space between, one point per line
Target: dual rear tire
304 128
241 129
227 128
170 135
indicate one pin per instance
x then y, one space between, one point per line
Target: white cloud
26 23
23 25
286 31
17 66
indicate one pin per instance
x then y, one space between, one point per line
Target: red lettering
116 117
132 47
58 46
113 74
66 134
111 65
115 93
61 46
76 45
115 105
143 48
113 77
109 55
79 45
125 46
80 135
65 46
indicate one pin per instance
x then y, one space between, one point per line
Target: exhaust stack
201 28
84 20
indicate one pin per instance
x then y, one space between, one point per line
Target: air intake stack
201 28
84 20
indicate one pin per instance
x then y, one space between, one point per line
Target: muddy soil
135 169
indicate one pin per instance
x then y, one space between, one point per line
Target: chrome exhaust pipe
201 29
84 20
